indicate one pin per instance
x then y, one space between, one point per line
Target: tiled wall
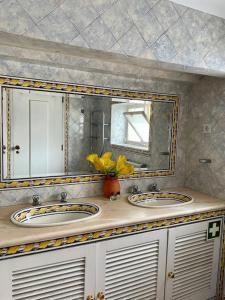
206 106
155 29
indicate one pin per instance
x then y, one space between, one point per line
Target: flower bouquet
112 170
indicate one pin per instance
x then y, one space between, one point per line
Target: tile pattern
206 107
155 29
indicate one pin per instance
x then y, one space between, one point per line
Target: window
131 124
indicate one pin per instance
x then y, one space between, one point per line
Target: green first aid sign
214 229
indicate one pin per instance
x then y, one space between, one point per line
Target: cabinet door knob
90 297
101 296
171 275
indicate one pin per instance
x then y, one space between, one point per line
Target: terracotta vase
111 186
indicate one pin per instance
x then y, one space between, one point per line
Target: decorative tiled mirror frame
71 88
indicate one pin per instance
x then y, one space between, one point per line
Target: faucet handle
36 200
134 189
154 188
63 197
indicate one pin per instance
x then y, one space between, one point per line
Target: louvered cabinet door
132 267
192 263
66 274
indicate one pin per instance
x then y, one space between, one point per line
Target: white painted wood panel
66 274
132 267
194 260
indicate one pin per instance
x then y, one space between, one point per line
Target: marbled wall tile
39 9
195 20
13 18
164 49
137 11
132 42
80 12
153 29
102 5
98 36
56 27
179 35
206 106
117 19
153 18
165 13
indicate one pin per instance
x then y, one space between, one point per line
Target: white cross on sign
214 229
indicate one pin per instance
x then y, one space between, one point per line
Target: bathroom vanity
126 252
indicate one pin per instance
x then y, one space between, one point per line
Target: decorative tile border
98 235
91 90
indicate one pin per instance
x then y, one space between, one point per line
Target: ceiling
213 7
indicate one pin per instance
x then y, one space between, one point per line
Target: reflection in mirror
142 131
47 134
33 133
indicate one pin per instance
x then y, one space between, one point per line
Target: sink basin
55 214
160 199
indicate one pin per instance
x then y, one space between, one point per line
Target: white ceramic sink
160 199
56 214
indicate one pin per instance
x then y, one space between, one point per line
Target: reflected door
36 134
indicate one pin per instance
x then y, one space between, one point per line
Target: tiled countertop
114 214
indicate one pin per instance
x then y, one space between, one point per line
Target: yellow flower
122 167
91 157
103 163
106 160
106 165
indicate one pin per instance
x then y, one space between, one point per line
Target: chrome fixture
63 197
134 189
114 196
205 160
36 200
154 188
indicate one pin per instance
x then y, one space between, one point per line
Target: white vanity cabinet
133 267
178 263
64 274
192 262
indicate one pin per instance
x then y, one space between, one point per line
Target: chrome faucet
134 189
154 188
63 197
36 200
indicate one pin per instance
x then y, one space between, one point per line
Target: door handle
100 296
17 148
3 149
171 275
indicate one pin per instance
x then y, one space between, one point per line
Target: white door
132 267
37 129
46 133
192 264
19 133
66 274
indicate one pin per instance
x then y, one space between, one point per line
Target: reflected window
131 124
137 128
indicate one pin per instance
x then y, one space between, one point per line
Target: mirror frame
71 88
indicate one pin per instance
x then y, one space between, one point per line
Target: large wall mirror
48 130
